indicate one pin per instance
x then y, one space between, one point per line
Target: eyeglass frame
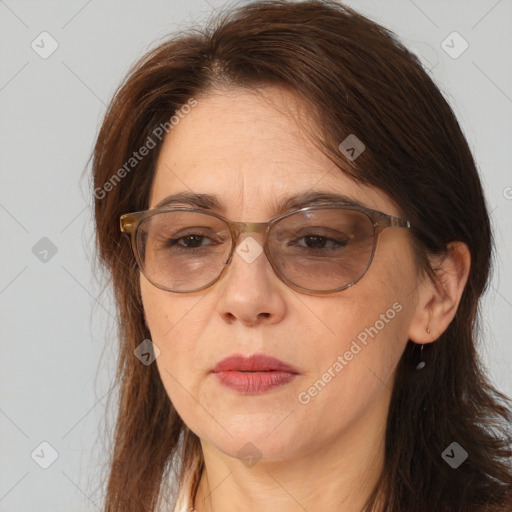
130 222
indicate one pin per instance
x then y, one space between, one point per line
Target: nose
249 290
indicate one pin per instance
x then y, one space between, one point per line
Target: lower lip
254 382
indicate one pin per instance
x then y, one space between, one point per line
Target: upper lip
254 363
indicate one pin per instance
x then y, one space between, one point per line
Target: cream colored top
172 495
182 504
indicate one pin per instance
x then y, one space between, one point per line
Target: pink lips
254 374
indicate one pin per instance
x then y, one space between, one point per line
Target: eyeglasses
315 250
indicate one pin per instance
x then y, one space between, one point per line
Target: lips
254 363
254 374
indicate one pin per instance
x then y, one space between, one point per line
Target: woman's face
344 346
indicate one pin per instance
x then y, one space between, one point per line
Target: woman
304 241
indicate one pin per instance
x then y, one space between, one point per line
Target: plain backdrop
57 332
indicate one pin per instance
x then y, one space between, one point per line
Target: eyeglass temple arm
399 223
394 222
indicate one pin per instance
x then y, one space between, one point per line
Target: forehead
249 150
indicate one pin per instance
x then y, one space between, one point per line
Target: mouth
254 374
254 363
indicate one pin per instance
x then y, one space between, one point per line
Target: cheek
353 377
165 318
175 328
370 334
166 313
371 341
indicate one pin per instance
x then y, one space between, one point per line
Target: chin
254 443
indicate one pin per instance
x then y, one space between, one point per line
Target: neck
340 475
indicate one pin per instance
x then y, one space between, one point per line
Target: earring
421 364
428 330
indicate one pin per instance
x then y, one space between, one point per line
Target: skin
326 454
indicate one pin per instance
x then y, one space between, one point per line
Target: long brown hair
360 80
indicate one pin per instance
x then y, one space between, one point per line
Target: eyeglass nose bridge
238 228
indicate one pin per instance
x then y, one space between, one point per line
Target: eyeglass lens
319 250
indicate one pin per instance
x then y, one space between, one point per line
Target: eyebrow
213 202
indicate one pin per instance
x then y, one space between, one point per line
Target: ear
439 298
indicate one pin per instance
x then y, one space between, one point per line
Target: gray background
58 338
